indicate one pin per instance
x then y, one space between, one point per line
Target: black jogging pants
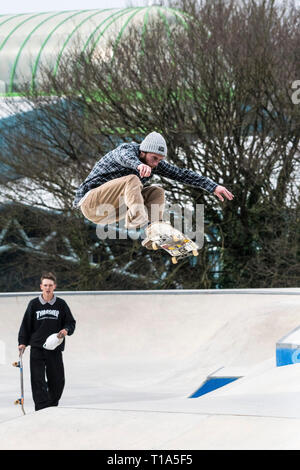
47 377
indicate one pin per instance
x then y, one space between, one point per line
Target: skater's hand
21 348
221 190
62 333
144 170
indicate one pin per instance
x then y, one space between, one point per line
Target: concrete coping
271 291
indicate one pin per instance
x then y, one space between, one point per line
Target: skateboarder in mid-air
125 173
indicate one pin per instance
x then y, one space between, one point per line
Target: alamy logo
51 314
188 220
296 94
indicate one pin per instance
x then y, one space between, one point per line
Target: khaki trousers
126 198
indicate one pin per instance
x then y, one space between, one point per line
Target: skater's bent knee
160 190
157 193
133 179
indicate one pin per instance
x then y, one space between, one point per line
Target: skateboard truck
19 364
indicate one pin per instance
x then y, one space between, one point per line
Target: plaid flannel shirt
124 160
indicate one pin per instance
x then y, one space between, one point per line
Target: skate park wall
149 352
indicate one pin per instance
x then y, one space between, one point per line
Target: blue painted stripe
212 383
286 356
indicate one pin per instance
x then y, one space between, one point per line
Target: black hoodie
42 319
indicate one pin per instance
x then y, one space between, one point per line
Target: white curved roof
27 40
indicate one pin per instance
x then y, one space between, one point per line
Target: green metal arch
19 26
93 38
11 18
177 14
118 14
136 10
146 18
49 36
12 76
126 23
71 34
164 18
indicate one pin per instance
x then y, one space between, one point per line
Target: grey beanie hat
155 143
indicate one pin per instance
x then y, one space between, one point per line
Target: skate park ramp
136 359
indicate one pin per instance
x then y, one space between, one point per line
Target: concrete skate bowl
135 360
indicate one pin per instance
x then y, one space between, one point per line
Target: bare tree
217 84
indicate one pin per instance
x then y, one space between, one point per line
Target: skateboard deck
163 235
19 363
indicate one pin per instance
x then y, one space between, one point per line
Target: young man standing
46 315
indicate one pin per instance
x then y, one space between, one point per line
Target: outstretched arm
194 179
183 175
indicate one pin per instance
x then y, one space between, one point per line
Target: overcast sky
27 6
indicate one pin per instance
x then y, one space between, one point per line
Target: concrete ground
136 358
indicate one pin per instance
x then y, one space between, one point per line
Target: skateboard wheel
15 364
174 260
195 252
154 246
